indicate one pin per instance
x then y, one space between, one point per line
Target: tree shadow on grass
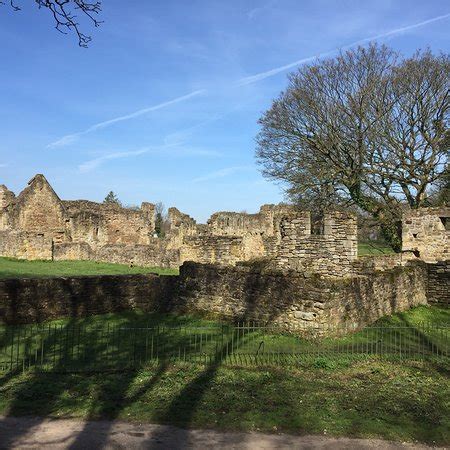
62 351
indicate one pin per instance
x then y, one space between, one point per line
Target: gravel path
36 433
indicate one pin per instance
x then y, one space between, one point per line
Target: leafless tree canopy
66 14
366 128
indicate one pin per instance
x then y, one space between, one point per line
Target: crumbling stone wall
99 224
438 287
295 300
39 299
291 299
83 229
26 245
38 224
332 253
426 234
228 237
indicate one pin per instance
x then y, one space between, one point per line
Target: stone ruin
273 266
37 224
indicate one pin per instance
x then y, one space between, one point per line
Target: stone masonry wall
35 300
290 299
426 234
332 253
438 287
83 229
294 300
26 245
37 224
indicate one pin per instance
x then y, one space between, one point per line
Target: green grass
400 399
18 268
374 248
134 338
403 402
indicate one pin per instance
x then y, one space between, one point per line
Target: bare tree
161 220
366 128
64 13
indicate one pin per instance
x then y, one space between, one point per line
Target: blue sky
163 105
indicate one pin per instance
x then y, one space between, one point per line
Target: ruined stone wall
365 264
99 224
72 229
38 210
332 253
426 234
438 287
289 299
87 230
225 250
227 237
25 245
294 300
38 299
154 254
6 197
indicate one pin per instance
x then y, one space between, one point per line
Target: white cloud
255 11
165 150
222 173
395 32
70 138
94 163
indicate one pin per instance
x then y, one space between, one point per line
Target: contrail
68 139
94 163
269 73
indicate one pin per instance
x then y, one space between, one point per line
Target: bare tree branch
64 13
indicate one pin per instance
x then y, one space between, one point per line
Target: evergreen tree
112 198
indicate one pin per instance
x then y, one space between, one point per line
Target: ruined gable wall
85 227
38 209
426 234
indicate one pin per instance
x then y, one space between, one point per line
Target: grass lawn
134 339
14 268
374 249
401 400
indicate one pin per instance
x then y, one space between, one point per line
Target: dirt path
35 433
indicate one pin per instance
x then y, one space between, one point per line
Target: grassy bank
14 268
134 339
364 397
405 402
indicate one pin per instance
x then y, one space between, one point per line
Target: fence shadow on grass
108 397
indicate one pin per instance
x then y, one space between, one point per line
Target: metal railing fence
81 347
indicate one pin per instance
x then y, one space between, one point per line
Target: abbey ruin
270 266
37 224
